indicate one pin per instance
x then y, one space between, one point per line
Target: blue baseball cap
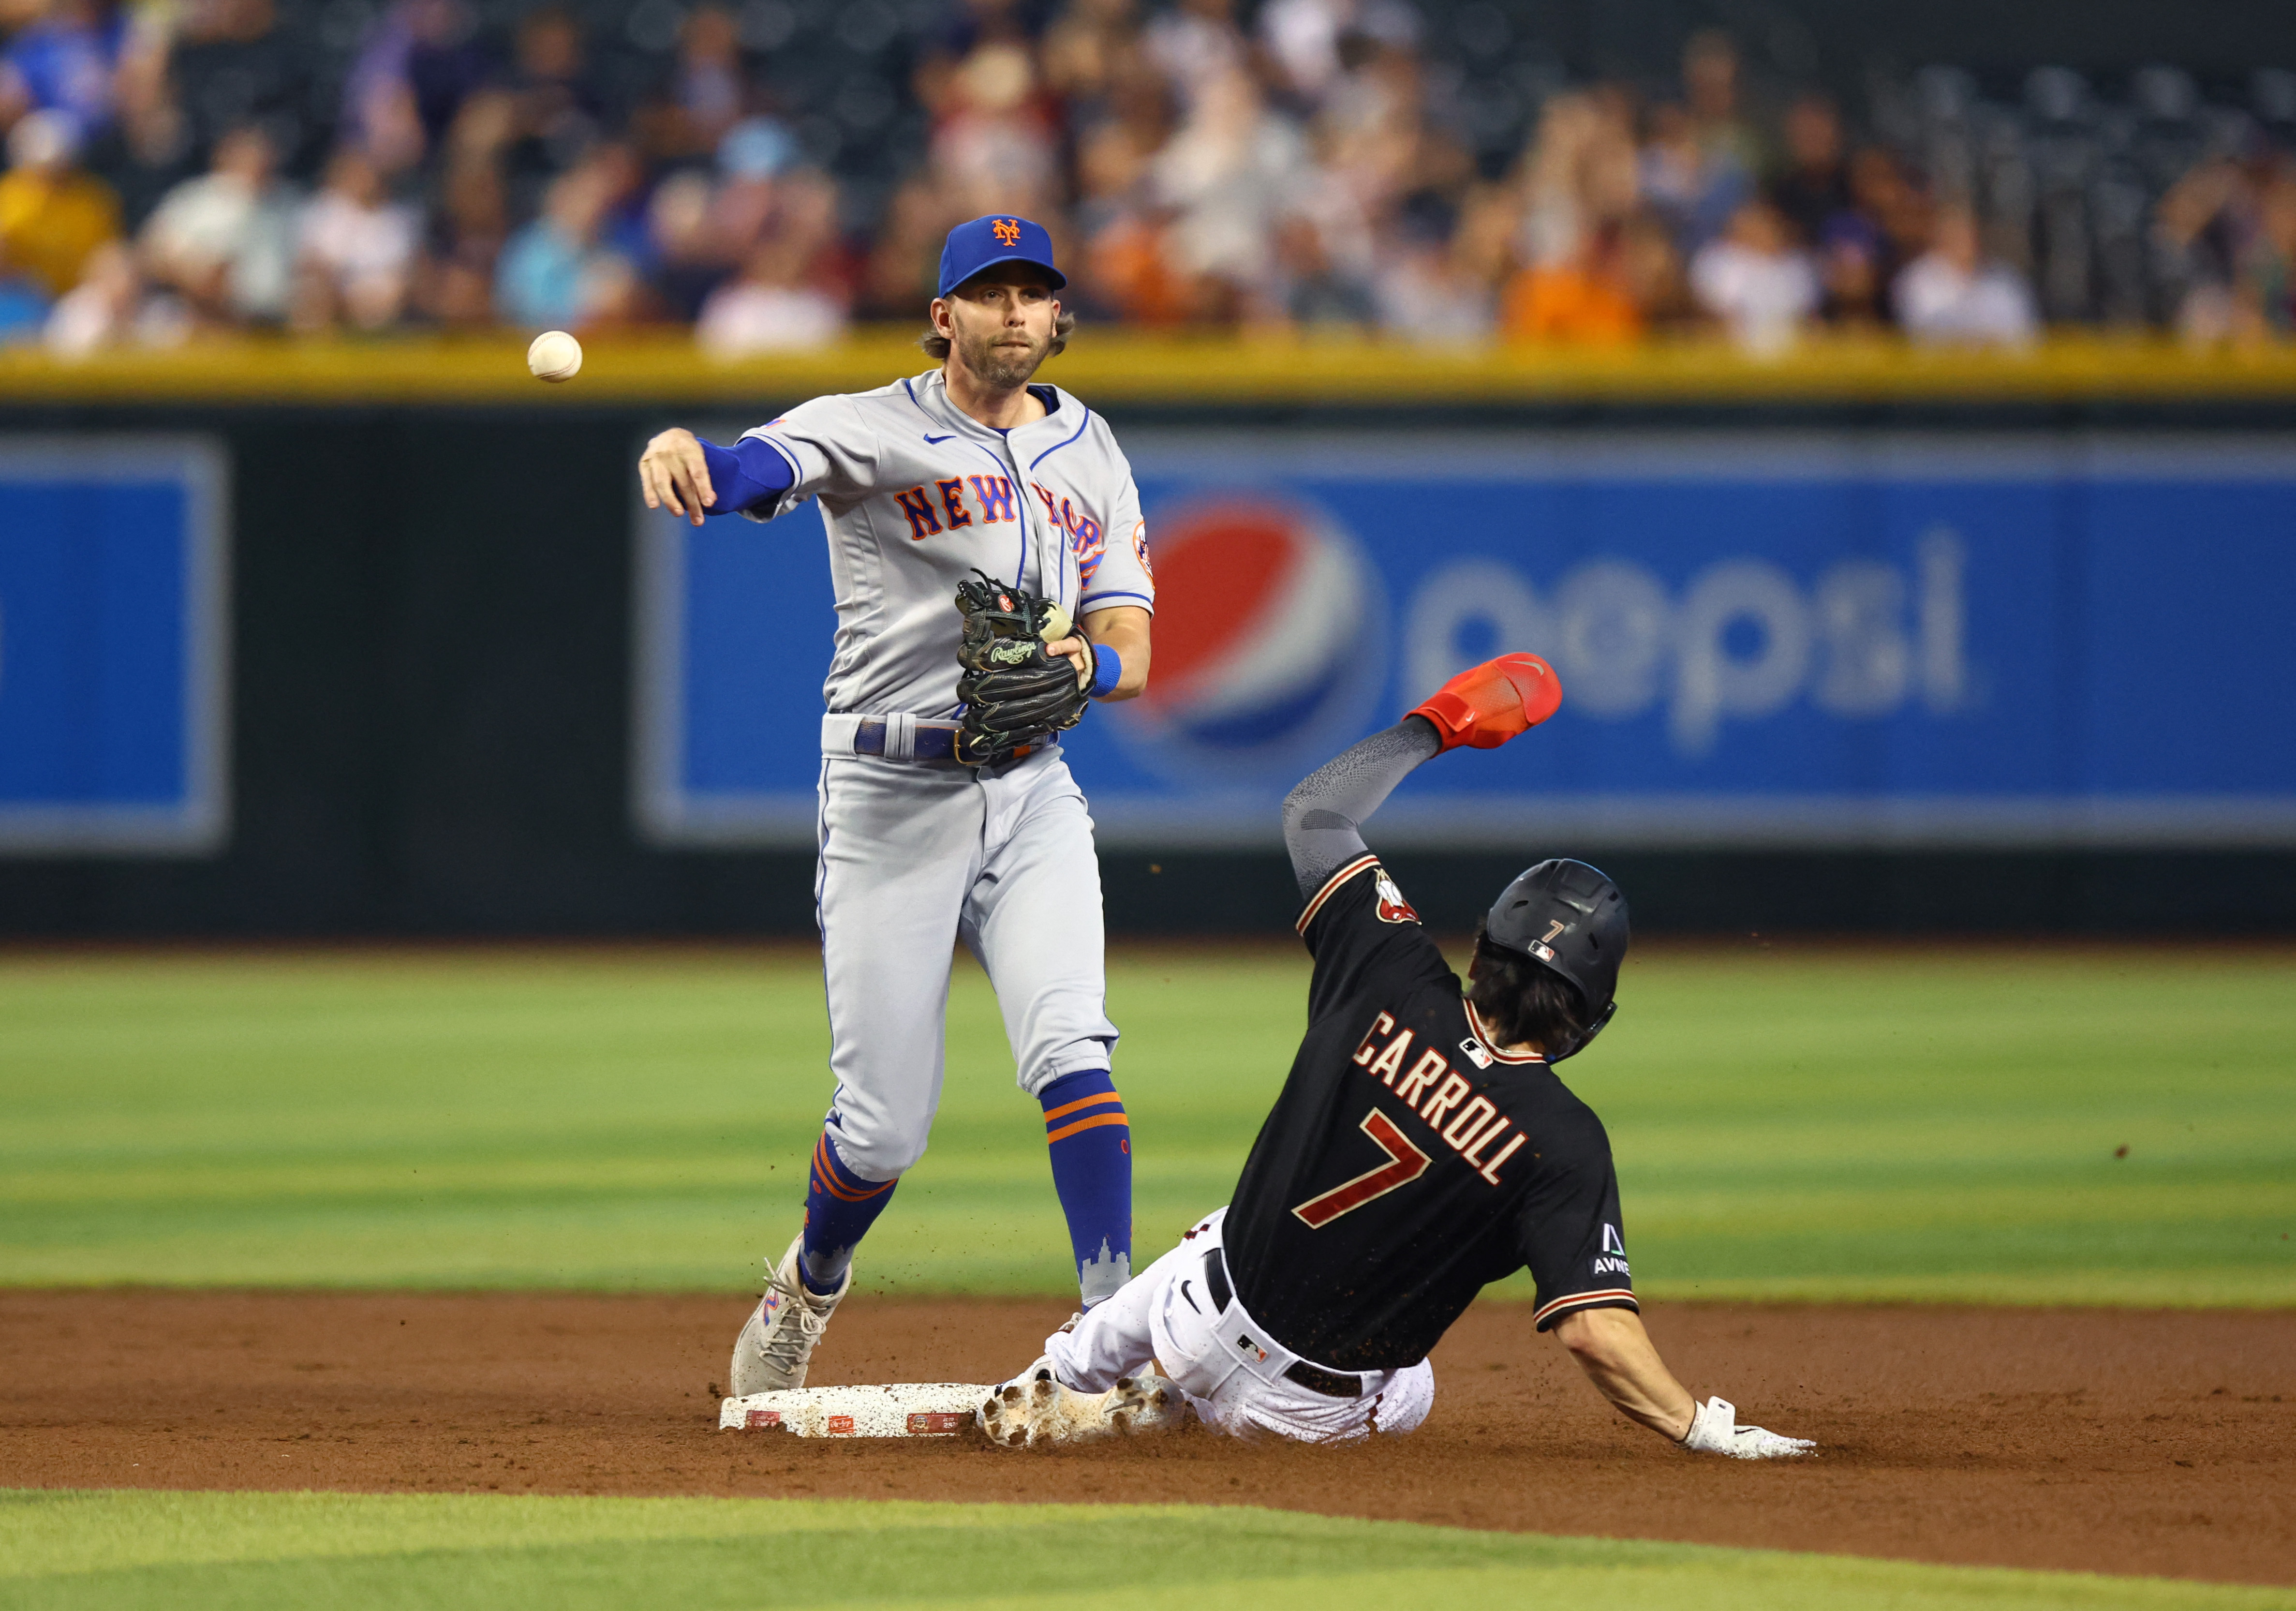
985 243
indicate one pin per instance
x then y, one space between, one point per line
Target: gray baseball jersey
916 493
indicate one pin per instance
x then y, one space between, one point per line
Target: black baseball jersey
1409 1162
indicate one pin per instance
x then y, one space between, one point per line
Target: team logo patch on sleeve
1392 907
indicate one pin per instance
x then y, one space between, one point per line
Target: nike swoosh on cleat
1191 1302
950 438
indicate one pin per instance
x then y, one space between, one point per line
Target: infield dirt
2089 1440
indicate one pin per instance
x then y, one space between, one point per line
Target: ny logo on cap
1007 232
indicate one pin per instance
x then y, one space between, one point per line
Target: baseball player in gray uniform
923 483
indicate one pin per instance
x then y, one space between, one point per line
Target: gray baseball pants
916 858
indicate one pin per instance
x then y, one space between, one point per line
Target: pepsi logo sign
1271 642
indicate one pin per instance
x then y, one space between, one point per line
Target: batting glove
1486 705
1715 1430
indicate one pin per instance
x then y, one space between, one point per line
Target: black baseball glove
1015 693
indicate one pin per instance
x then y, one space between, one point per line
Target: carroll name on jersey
1412 1157
1431 1089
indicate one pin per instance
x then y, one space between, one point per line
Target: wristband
1107 671
1712 1424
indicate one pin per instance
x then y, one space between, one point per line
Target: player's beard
1002 368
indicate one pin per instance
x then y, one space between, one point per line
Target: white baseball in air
555 356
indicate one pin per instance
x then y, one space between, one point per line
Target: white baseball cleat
777 1343
1035 1408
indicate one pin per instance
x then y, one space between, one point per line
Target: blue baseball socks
839 1208
1091 1145
1090 1141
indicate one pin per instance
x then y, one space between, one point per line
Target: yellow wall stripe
1117 366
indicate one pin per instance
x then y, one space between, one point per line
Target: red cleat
1486 705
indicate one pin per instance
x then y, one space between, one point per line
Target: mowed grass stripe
1798 1124
353 1553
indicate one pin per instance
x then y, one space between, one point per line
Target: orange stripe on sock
825 1172
1066 1108
842 1195
1081 1125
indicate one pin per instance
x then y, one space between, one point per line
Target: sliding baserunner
1422 1148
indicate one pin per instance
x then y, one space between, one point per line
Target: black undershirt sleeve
1567 1230
1321 816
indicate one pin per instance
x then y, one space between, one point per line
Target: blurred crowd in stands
768 172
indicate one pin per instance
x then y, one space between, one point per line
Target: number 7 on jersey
1405 1164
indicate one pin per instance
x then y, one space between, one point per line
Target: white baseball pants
1164 1315
914 859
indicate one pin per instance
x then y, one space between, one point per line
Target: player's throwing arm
992 580
1397 1174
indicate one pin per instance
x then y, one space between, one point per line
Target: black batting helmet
1568 916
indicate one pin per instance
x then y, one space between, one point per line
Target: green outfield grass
186 1551
1790 1123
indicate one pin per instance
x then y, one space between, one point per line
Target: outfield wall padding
428 706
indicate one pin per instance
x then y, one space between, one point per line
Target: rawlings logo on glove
1016 692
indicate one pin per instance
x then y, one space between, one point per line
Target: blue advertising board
113 639
1763 639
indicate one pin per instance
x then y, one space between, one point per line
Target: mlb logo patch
1245 1344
